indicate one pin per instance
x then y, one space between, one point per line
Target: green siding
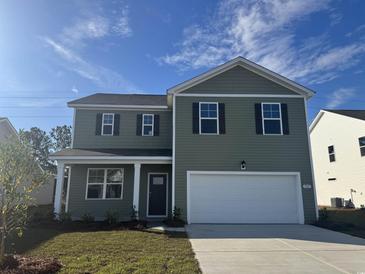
85 137
78 205
225 152
239 80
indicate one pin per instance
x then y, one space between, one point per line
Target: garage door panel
243 199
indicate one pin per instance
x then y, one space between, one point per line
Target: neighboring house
228 146
338 148
44 195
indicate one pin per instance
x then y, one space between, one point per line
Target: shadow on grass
35 235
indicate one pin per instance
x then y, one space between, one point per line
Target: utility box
337 202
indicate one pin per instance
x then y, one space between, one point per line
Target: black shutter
222 119
258 118
139 125
195 118
156 125
99 118
284 118
116 124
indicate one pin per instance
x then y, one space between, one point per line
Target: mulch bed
29 265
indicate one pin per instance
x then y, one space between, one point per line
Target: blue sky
54 51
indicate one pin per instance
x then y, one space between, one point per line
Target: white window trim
208 118
263 118
148 191
104 184
102 125
153 124
333 153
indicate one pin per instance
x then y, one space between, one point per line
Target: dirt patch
29 265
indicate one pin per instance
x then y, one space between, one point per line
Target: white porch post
59 185
137 172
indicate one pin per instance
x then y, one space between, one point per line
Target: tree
61 137
20 175
41 145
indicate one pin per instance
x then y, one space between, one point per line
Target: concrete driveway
275 249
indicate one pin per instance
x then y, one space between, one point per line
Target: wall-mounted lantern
243 165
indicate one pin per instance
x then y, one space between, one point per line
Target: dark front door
157 199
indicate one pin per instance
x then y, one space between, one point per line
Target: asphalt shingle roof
113 152
122 99
357 114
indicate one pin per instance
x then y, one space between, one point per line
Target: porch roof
112 154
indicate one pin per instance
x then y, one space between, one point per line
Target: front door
157 199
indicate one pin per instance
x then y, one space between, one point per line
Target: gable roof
120 100
240 61
352 113
357 114
9 124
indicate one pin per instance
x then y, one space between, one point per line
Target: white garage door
215 197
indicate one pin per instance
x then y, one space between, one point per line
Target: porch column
59 185
137 173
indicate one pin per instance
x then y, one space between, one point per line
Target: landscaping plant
20 175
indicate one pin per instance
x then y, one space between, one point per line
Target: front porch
125 185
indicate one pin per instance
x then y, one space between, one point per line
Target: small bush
111 217
323 214
87 218
177 212
134 213
65 217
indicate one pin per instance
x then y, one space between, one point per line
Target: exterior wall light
243 165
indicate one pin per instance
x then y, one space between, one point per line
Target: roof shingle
121 99
357 114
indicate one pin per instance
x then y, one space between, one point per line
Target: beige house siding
44 195
349 168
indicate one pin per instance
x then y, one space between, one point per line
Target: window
105 183
362 145
147 124
271 118
108 124
331 153
208 118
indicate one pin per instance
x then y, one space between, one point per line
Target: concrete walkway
275 249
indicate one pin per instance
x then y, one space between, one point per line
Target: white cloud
264 32
75 90
339 97
88 28
101 76
122 26
97 24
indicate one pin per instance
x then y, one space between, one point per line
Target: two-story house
338 142
228 146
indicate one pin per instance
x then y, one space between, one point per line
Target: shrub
87 218
134 213
323 214
65 217
111 217
177 212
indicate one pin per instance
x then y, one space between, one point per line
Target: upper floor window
331 153
108 124
271 118
147 124
208 118
105 183
362 145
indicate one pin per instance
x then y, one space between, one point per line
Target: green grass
115 251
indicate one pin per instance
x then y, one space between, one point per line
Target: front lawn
114 251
